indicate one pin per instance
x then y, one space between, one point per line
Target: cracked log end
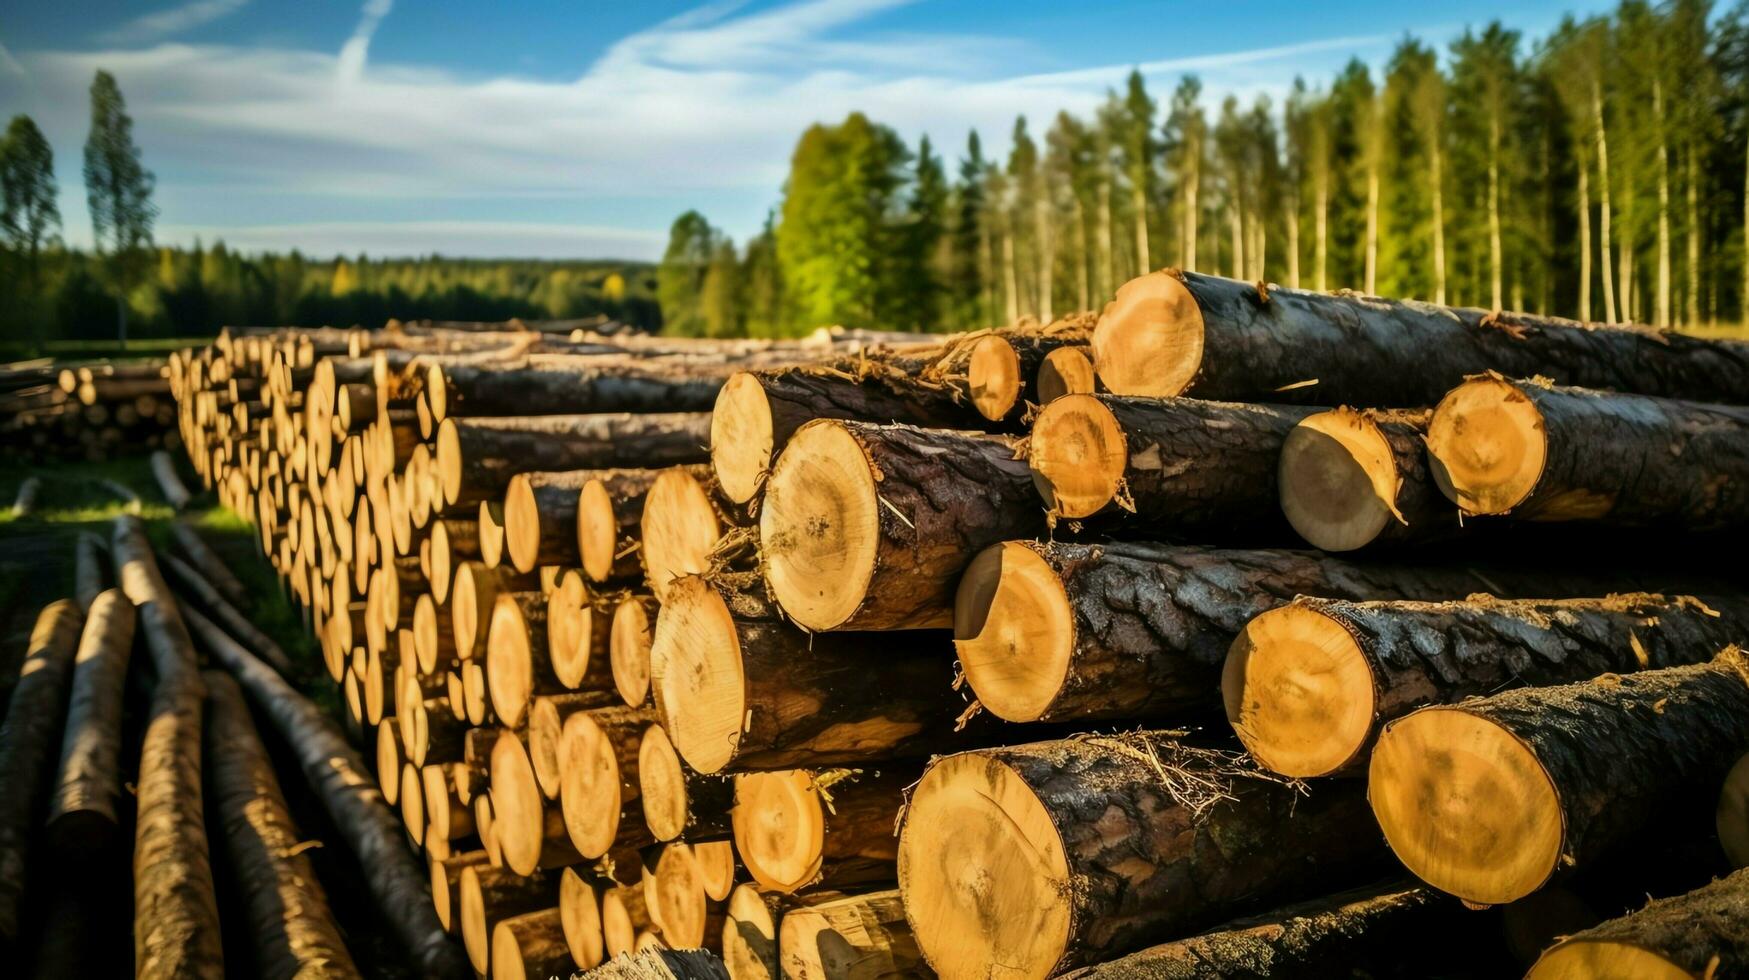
1486 446
1299 692
1014 631
1338 479
993 375
741 437
1065 371
628 649
679 529
597 530
819 526
695 661
780 828
590 792
1149 340
983 873
662 785
1465 805
1078 455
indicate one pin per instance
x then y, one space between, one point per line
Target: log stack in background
87 412
640 674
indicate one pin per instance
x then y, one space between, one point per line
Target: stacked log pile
877 655
90 411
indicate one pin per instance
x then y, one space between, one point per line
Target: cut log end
1732 814
1077 455
819 527
597 531
993 375
679 529
1593 959
1014 631
1338 480
661 785
591 792
568 628
1486 446
1149 340
518 811
682 909
580 915
741 437
1065 371
1504 844
521 524
696 663
979 856
780 828
628 645
716 867
491 525
510 664
449 461
750 937
1299 692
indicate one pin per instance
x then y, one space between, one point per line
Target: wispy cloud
161 24
8 64
357 47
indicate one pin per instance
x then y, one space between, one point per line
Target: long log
29 489
1055 632
453 541
208 562
580 895
726 690
624 914
1704 933
1351 479
473 596
530 946
540 518
91 569
678 801
294 932
1307 685
565 387
1487 800
599 779
490 895
342 781
996 370
1543 453
802 828
83 813
169 482
446 879
866 526
1364 930
858 935
477 457
27 745
1180 333
1153 465
1001 868
234 622
677 899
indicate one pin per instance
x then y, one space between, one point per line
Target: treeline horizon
1596 173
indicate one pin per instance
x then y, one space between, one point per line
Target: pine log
564 387
995 370
453 541
1065 371
433 637
208 562
663 964
578 625
489 896
1364 931
546 724
27 746
342 781
446 879
802 828
1151 466
519 664
757 412
679 528
868 527
1543 453
630 635
540 518
580 896
749 940
624 914
226 615
1704 933
294 932
530 946
859 936
1488 799
389 756
610 508
679 905
84 815
169 483
477 457
1001 866
1307 685
530 832
717 867
91 569
599 779
678 801
28 491
1056 632
1351 479
1180 333
728 690
475 592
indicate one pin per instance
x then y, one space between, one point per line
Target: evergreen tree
1138 148
29 216
763 283
925 246
720 297
969 278
119 193
1185 146
692 244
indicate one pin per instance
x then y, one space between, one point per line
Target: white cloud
8 64
484 239
353 52
161 24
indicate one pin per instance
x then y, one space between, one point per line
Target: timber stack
1234 624
86 411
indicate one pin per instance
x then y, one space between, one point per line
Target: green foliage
29 216
118 192
692 242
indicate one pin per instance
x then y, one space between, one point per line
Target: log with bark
84 815
169 481
599 779
1002 869
609 510
207 561
867 526
27 746
453 541
996 370
530 946
294 931
540 518
519 663
473 596
565 386
624 914
1543 453
857 935
1355 478
802 828
487 896
726 690
676 896
194 584
342 781
546 726
1489 799
1150 466
1308 684
1181 333
91 569
446 879
477 457
678 801
529 831
1055 632
579 621
662 964
1065 371
1704 933
629 637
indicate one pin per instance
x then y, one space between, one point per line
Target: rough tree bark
83 817
477 457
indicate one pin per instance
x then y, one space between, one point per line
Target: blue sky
581 128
